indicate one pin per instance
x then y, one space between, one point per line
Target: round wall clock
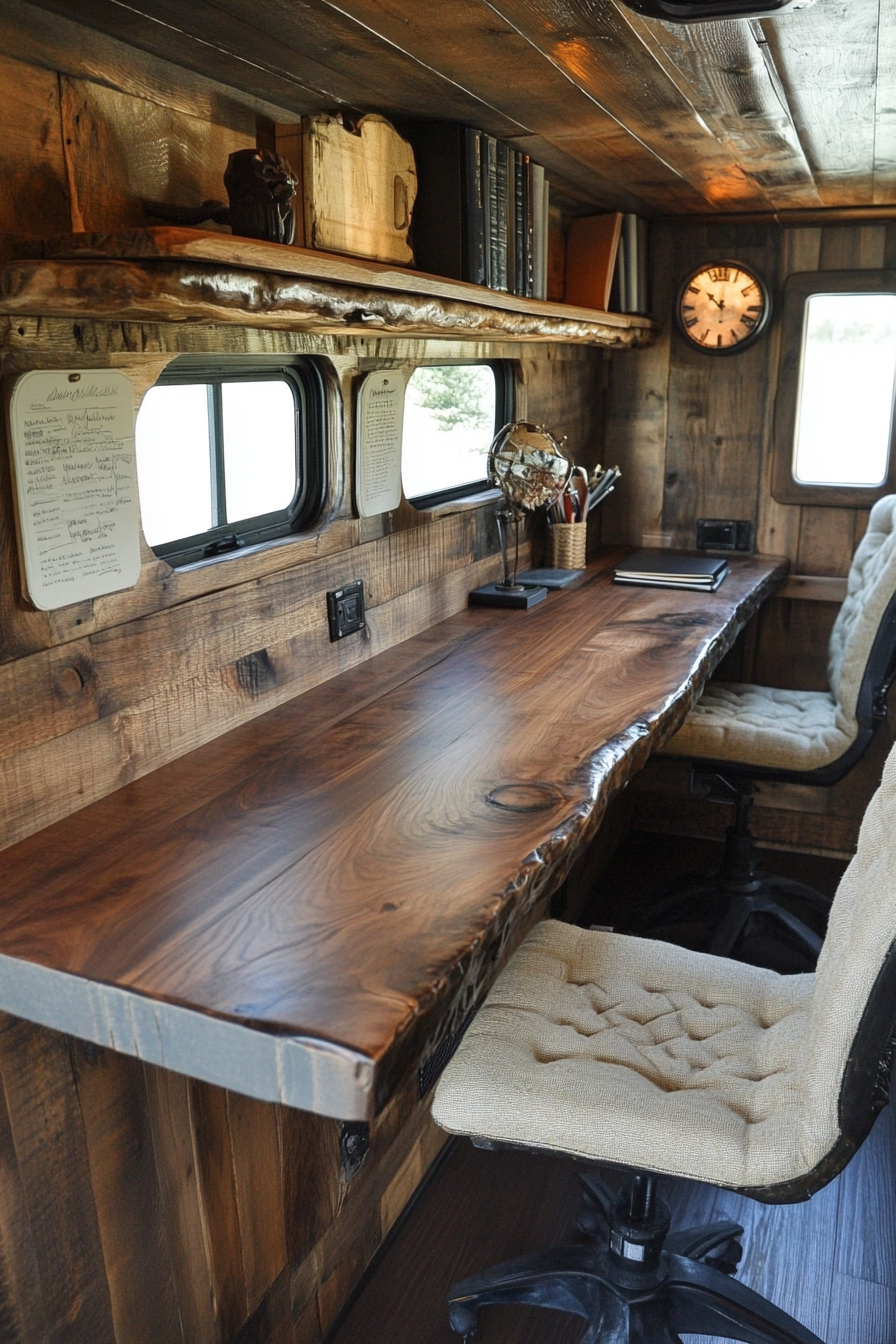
723 308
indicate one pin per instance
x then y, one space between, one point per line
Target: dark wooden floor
830 1262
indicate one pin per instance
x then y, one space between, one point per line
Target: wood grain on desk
301 909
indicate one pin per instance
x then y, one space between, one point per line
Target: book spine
538 231
500 276
644 298
620 281
519 215
631 297
530 228
474 212
545 240
490 203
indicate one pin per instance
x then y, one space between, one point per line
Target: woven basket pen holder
568 545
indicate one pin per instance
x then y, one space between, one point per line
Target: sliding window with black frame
230 455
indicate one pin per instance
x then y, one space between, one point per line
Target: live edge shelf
169 274
305 908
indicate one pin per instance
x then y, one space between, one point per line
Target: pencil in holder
568 545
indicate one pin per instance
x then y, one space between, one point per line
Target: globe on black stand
531 469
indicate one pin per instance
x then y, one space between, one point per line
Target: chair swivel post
634 1282
739 863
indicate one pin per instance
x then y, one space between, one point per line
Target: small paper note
75 471
378 456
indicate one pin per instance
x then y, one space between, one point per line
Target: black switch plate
345 610
724 534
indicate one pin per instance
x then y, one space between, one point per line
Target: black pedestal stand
507 592
635 1283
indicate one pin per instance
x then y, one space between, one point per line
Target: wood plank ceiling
625 112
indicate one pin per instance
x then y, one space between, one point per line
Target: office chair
737 734
664 1061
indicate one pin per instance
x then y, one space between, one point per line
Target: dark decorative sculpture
261 187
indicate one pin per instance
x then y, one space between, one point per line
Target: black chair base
757 923
636 1283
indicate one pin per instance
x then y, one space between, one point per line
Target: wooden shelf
170 274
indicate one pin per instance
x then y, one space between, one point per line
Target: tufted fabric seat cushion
637 1052
761 725
803 730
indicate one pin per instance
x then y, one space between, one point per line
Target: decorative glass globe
531 469
528 465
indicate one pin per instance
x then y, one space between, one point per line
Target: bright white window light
449 424
259 447
844 416
185 447
173 462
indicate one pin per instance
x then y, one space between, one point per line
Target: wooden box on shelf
358 186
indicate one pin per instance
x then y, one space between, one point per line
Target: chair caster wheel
464 1321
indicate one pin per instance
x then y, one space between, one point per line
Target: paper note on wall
75 471
378 455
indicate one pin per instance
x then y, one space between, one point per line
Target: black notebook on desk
671 569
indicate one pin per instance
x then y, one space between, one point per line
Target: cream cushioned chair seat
639 1052
803 730
765 726
604 1046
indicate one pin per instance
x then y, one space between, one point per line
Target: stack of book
658 569
606 263
482 209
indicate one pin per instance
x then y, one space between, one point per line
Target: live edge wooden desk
304 909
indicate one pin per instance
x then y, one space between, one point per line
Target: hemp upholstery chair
644 1055
740 733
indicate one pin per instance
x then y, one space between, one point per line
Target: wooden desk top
303 908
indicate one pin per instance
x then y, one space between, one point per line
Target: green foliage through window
455 395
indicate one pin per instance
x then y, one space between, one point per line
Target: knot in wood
525 797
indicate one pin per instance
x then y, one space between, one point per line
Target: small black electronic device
345 610
724 534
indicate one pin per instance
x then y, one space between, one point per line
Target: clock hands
720 303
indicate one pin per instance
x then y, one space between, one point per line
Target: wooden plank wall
693 435
137 1206
103 693
141 1207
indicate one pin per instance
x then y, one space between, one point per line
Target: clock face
723 308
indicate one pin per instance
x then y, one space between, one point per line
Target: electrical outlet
724 534
345 610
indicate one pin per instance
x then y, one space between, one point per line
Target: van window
844 414
836 393
227 458
451 414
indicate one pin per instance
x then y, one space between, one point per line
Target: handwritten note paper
76 484
378 456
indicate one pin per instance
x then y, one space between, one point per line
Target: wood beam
316 57
485 47
827 58
731 86
885 108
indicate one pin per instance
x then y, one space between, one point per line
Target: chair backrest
852 1022
870 591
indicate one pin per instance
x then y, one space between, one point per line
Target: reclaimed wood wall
141 1207
693 435
137 1206
102 693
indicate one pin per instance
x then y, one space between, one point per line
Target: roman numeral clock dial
723 308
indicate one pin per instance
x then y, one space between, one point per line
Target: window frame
307 382
798 289
505 410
